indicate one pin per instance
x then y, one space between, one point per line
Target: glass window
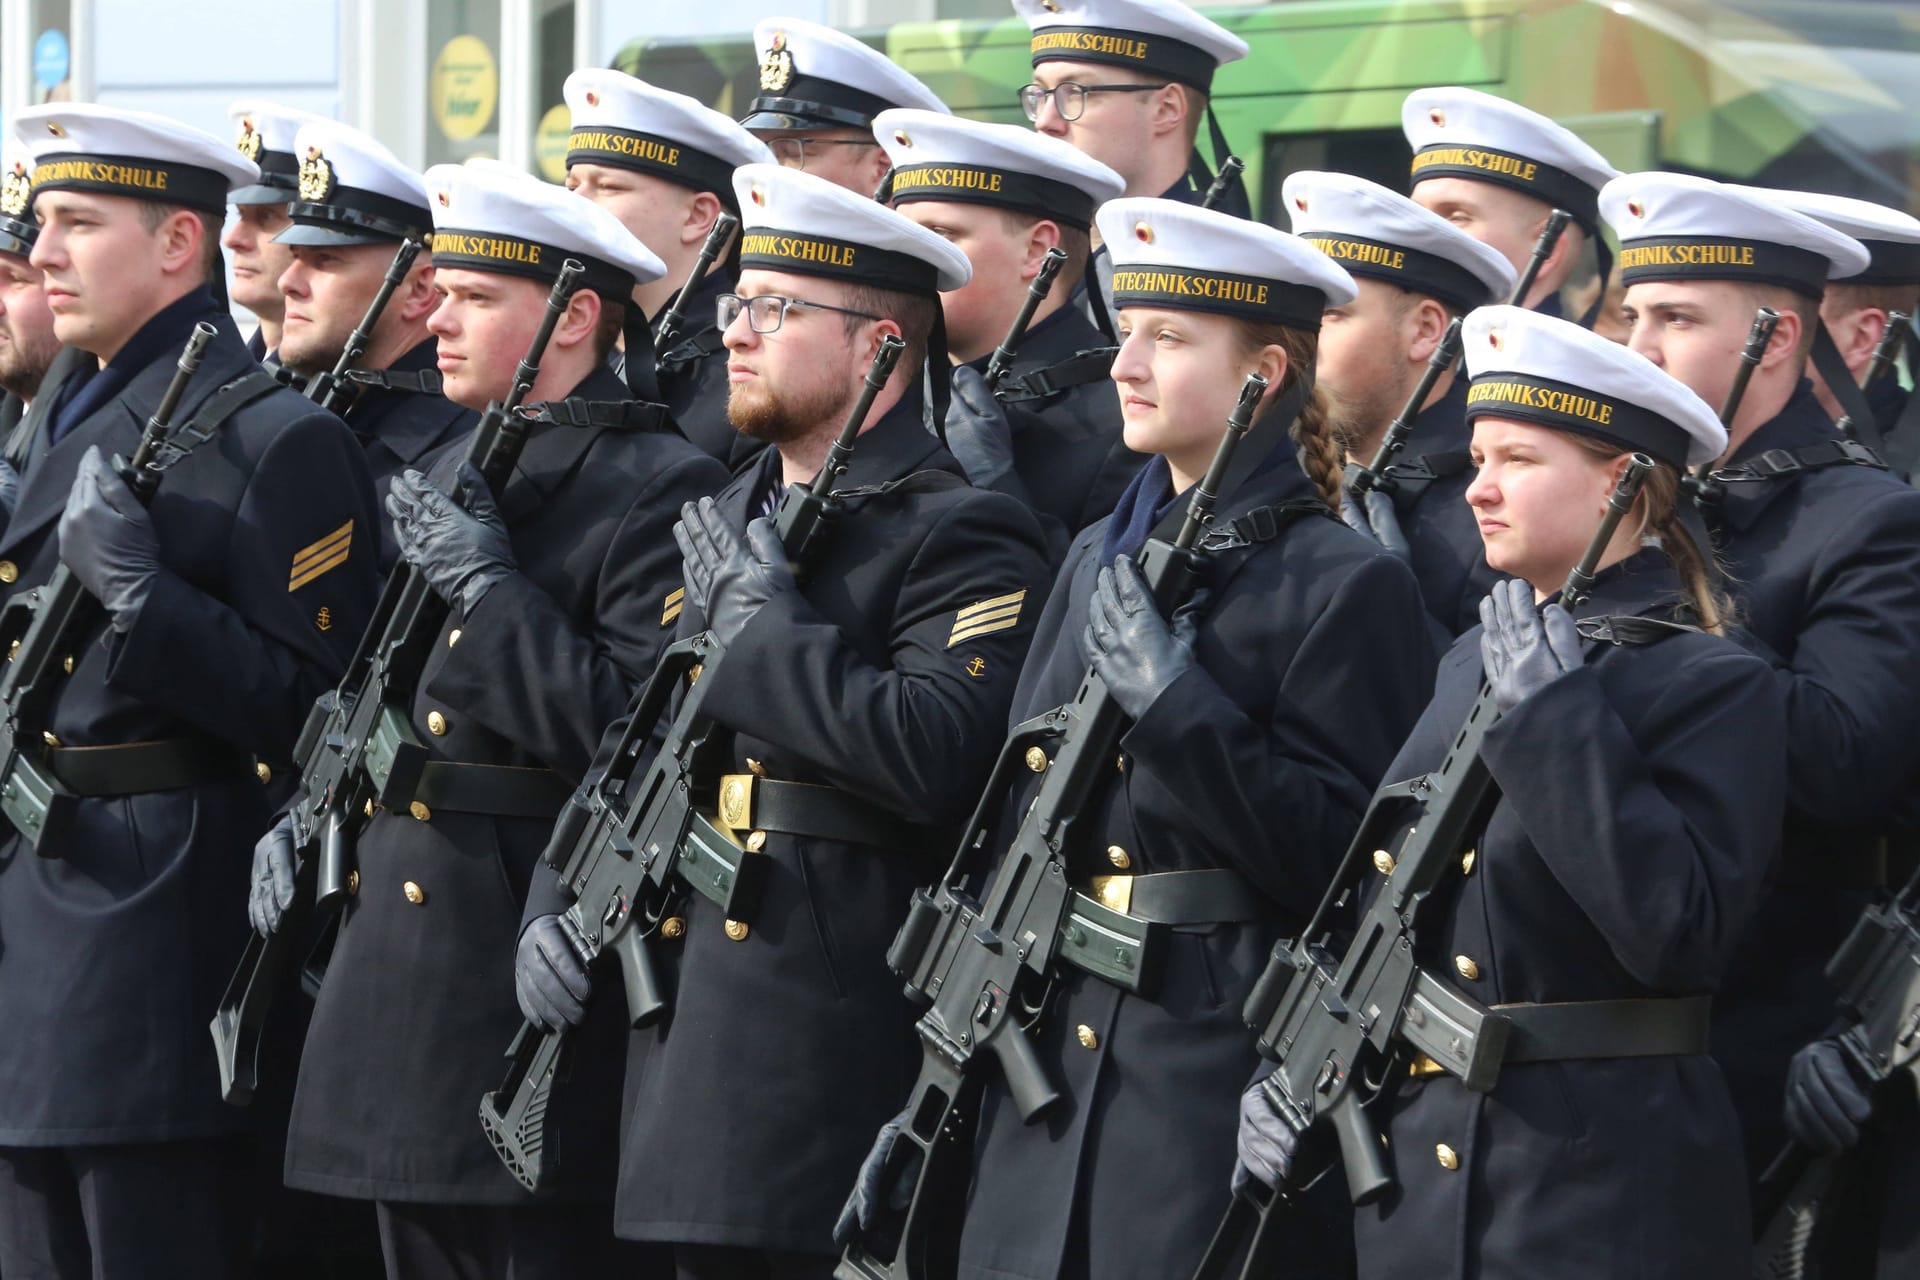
463 80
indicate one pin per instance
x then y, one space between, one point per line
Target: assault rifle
1700 481
1002 361
358 749
981 963
673 324
1331 1021
329 390
40 630
1230 170
629 842
1882 358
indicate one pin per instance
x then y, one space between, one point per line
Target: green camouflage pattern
1823 94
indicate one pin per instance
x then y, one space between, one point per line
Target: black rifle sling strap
213 414
1077 370
1409 480
425 382
690 350
1839 379
1776 464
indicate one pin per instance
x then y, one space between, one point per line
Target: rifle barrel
710 250
1579 584
1543 248
1002 362
878 372
558 298
1206 494
1444 357
1230 170
156 432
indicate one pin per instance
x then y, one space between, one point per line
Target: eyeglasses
792 152
1070 99
766 313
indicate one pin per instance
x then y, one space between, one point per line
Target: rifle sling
1077 370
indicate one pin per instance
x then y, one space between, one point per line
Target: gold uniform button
436 724
453 637
673 926
1118 857
415 894
1036 760
9 571
1088 1040
1466 863
261 771
1383 862
420 812
353 882
1447 1156
1466 968
756 841
66 664
737 930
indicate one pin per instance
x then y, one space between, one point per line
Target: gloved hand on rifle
549 979
107 539
1266 1143
463 553
1524 649
1825 1104
873 1186
978 432
741 575
1129 644
272 891
1372 514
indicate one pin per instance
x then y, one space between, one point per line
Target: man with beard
862 700
357 202
266 137
1415 273
28 346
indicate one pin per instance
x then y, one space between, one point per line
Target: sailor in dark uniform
1049 434
1639 771
1497 170
1415 272
227 605
357 203
864 702
264 134
28 346
554 584
1820 543
663 164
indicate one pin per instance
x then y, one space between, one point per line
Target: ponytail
1316 443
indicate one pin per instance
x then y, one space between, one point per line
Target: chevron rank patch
670 609
1002 613
317 558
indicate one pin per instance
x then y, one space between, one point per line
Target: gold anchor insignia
316 177
776 72
250 143
977 667
324 619
16 191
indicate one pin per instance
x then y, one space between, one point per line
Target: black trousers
718 1262
125 1212
519 1242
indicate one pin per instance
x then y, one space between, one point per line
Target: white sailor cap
264 133
1463 133
1382 235
17 227
1673 226
115 151
814 77
1891 238
629 124
1157 37
1174 255
794 221
353 191
1552 373
485 219
943 157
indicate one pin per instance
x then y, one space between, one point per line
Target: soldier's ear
1041 236
417 299
702 209
578 322
182 236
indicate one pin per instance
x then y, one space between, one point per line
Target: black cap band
1565 407
1001 188
186 185
1268 301
357 209
512 256
1411 269
279 169
770 249
1718 258
650 154
1161 55
17 236
809 102
1555 186
1894 262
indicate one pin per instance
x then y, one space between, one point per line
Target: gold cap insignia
1051 6
443 198
16 191
900 136
758 193
1300 203
251 143
593 99
1143 233
1637 209
776 70
57 129
1494 339
1438 117
316 177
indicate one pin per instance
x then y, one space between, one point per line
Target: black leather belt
133 768
749 803
499 791
1216 896
1585 1029
1852 862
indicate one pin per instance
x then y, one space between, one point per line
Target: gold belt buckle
1113 892
1423 1066
736 801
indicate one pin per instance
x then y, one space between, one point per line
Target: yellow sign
465 88
550 143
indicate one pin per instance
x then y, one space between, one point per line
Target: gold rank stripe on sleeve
1002 613
675 601
317 558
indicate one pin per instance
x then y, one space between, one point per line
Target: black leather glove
107 539
9 488
1522 648
1825 1105
978 433
1129 644
743 574
872 1186
461 552
1266 1143
549 979
272 890
1373 514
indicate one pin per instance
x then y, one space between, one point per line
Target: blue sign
50 58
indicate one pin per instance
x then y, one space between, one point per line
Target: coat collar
377 415
553 451
1800 423
891 449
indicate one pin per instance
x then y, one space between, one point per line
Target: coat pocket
816 911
